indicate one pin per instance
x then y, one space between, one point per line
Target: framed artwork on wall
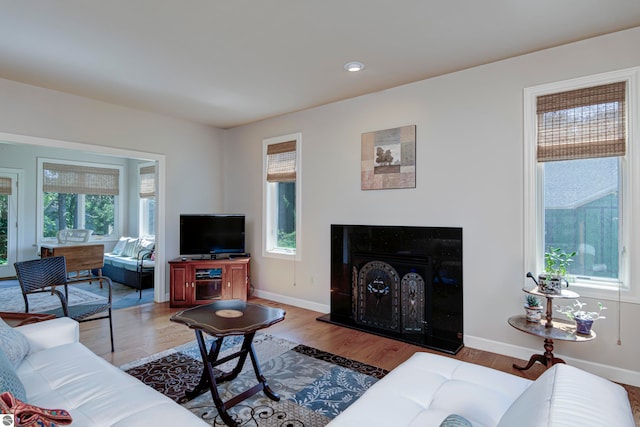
389 158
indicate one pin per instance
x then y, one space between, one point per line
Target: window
281 216
147 193
578 160
78 195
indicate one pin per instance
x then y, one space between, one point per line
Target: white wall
192 152
469 174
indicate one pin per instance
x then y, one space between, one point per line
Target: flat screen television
208 234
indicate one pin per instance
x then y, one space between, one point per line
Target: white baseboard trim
612 373
309 305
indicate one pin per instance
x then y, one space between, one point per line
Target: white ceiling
231 62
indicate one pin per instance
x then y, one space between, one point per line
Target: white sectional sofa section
59 372
428 388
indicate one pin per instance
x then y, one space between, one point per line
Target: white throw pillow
146 244
130 247
119 247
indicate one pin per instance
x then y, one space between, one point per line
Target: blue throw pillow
13 343
455 420
9 381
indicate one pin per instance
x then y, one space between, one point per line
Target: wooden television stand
202 281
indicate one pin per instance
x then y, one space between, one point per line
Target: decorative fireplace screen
401 282
388 300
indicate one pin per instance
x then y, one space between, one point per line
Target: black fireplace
400 282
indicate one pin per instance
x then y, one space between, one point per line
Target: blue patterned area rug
11 299
124 296
314 386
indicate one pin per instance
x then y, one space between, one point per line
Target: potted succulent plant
533 308
584 319
556 262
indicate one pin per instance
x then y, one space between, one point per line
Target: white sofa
428 388
60 373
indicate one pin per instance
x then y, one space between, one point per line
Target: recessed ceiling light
354 66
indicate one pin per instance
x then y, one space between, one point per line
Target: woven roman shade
281 162
147 182
583 123
5 186
74 179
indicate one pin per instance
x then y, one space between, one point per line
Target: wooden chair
47 274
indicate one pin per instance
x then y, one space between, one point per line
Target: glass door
8 222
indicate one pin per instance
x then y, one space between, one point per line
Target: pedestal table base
547 359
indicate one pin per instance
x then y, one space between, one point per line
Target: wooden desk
79 257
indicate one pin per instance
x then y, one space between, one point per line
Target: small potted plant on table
533 308
584 319
556 262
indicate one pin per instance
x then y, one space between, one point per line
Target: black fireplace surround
400 282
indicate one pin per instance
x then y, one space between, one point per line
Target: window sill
280 254
606 293
92 240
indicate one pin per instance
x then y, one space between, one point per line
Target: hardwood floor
145 330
